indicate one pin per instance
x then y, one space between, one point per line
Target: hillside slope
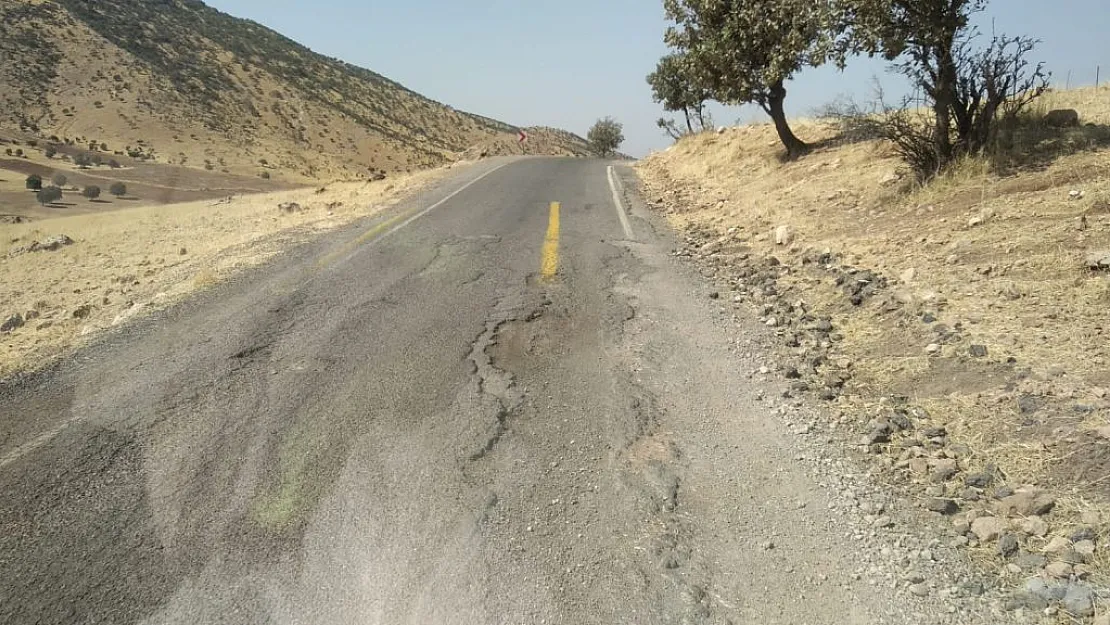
190 85
974 307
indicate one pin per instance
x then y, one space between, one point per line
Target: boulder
1062 118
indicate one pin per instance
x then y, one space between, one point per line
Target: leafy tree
967 87
744 51
34 182
605 137
82 160
672 85
59 179
8 151
49 195
92 192
118 189
19 152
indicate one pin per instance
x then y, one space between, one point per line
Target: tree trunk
689 126
795 147
942 105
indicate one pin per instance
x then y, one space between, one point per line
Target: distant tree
114 164
265 175
92 192
103 147
50 151
82 160
34 182
19 151
59 179
97 159
8 151
118 189
49 195
605 137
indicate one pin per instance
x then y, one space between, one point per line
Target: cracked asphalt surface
423 431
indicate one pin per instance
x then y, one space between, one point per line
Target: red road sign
523 136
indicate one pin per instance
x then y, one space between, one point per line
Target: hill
178 82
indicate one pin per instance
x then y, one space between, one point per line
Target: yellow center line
363 238
549 263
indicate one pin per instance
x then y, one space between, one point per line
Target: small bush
265 175
50 151
59 179
92 192
19 152
97 159
114 164
8 151
118 189
49 195
82 160
34 182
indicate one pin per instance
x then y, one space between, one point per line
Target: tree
92 192
967 88
744 51
59 179
82 160
118 189
49 195
19 152
34 182
605 137
97 159
114 164
8 151
50 151
672 85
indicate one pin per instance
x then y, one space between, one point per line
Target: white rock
784 235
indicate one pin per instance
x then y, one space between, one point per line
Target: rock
82 312
941 506
1099 261
1058 570
935 432
1028 503
908 275
1079 600
979 480
1031 561
879 434
290 207
784 235
1081 534
183 251
918 466
1027 404
1062 118
714 295
971 494
977 351
1058 544
12 323
920 590
944 470
1002 492
1008 545
1085 549
932 348
961 526
1034 526
974 221
1050 591
52 243
988 528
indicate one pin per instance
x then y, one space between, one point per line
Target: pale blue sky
566 63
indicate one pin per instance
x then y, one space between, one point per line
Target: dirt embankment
976 303
67 278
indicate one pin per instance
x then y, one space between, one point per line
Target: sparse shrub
34 182
92 192
59 179
50 151
82 160
49 195
8 151
114 164
98 104
265 175
19 152
118 189
263 162
103 147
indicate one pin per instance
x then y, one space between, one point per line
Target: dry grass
130 261
1000 254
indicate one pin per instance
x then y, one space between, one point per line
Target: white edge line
613 183
420 214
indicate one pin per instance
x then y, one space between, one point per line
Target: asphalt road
493 411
